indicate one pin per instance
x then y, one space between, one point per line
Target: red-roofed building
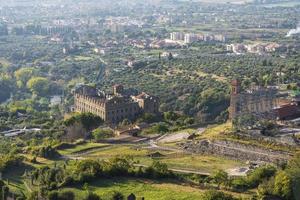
288 111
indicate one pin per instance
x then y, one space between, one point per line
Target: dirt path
174 137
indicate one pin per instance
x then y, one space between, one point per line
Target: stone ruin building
259 101
263 102
114 107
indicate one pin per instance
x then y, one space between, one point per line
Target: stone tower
234 99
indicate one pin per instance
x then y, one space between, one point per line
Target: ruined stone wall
236 151
261 105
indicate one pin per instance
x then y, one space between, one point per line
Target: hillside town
149 99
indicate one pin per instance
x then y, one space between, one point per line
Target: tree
259 175
293 170
170 56
23 75
117 196
265 189
216 195
283 185
53 196
212 102
92 196
221 178
5 191
159 170
267 127
88 120
33 196
157 128
66 195
244 121
170 116
46 152
239 184
5 88
99 134
88 169
2 184
119 166
38 86
80 124
160 128
148 118
265 62
189 121
86 187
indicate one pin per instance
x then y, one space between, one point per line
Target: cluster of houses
188 38
258 48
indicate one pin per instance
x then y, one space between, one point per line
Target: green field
164 189
82 148
151 190
176 160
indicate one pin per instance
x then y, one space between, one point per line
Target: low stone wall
235 150
282 139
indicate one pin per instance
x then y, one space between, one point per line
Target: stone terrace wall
236 151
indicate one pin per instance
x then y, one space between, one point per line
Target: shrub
9 160
38 85
117 196
119 166
88 120
239 184
92 196
158 170
88 169
53 186
46 152
53 196
216 195
259 175
67 181
99 134
157 128
66 195
220 178
148 118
